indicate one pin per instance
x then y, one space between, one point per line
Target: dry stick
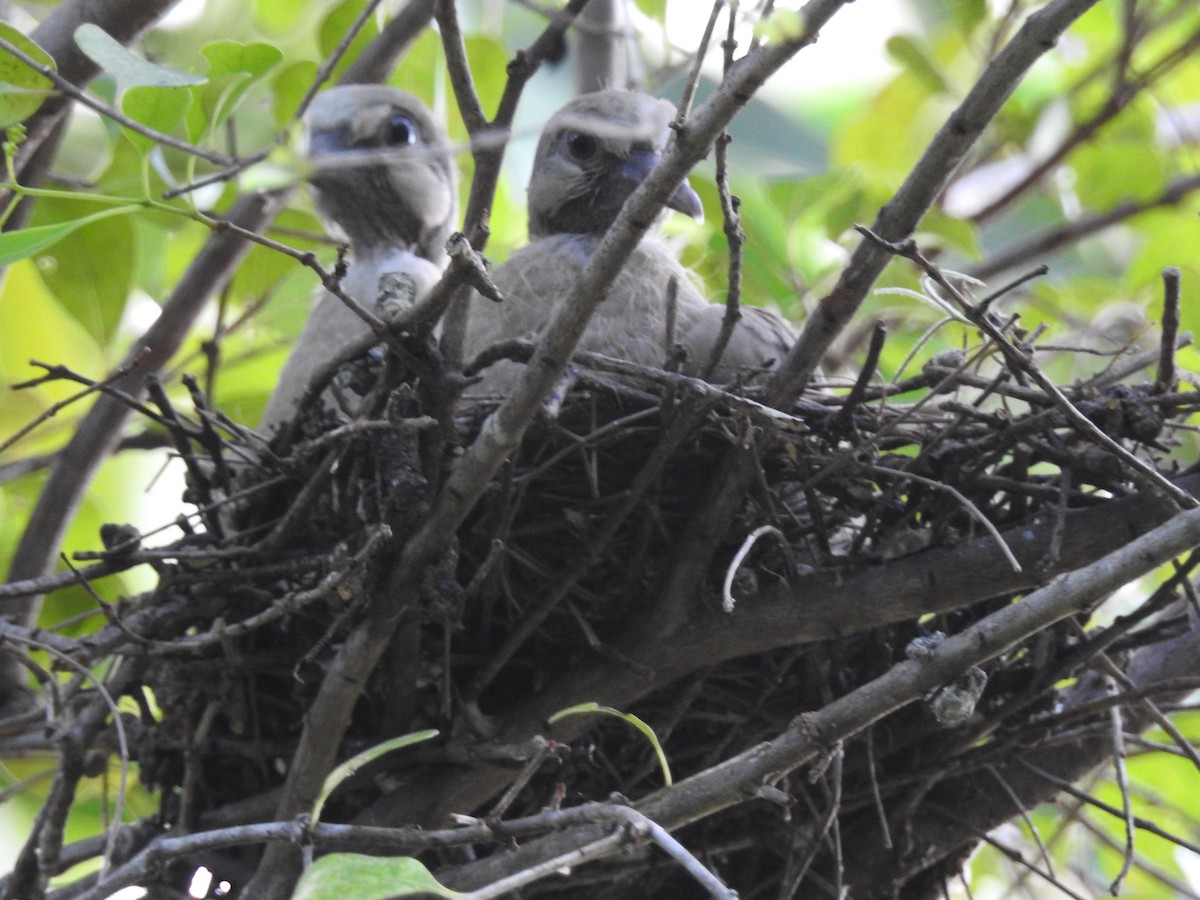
1165 380
637 825
735 237
1015 855
876 796
843 419
99 430
1183 746
898 218
329 586
1024 814
1146 825
50 583
828 821
1176 887
61 372
693 79
502 431
1116 721
730 782
972 510
1140 470
40 853
648 476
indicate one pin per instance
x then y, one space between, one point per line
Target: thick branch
733 782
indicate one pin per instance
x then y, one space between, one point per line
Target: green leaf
233 57
967 14
334 27
910 54
780 26
16 245
37 327
282 16
289 86
155 107
356 762
340 875
593 707
233 68
22 90
91 270
129 69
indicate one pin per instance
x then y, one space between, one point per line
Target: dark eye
581 146
400 131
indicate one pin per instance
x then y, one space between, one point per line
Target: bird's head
593 154
382 168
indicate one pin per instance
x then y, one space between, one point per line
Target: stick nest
573 544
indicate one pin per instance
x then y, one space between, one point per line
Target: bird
593 153
383 175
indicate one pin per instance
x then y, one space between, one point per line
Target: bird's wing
761 339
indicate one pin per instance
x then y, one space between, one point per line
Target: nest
570 549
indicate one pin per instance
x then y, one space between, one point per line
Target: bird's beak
325 143
685 199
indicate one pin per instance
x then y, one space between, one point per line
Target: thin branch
1046 242
111 112
1140 470
1165 380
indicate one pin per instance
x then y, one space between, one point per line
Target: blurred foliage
819 151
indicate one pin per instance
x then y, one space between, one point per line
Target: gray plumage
592 155
382 175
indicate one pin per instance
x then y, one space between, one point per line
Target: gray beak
324 143
638 165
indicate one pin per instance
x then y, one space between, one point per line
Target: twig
876 797
928 178
1146 825
906 682
693 79
735 237
828 821
844 417
1053 238
727 599
54 373
1165 380
110 112
966 504
638 826
1116 721
1144 473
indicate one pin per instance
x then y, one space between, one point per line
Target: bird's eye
400 131
581 146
